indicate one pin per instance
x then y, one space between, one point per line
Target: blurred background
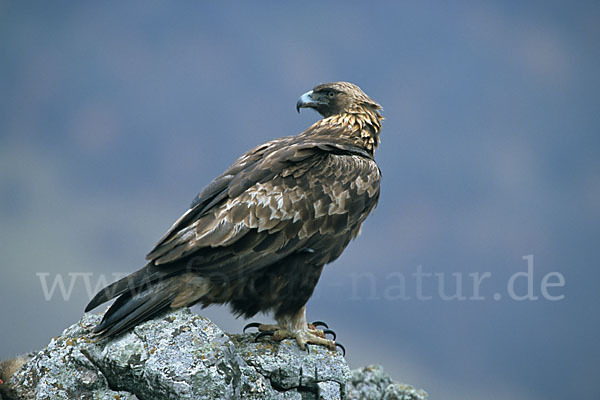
113 116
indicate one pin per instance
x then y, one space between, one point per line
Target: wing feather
276 199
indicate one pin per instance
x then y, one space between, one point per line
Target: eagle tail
141 296
132 283
131 309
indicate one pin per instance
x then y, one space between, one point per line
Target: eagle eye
331 95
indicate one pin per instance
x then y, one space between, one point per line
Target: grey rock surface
372 383
182 355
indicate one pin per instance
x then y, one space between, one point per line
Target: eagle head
336 98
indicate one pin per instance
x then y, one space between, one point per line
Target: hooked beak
306 100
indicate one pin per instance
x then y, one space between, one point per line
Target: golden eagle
257 237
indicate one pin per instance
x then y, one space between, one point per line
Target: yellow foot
261 327
309 335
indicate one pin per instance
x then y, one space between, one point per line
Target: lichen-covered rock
182 355
372 383
288 368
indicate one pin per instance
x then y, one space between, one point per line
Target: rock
372 383
182 355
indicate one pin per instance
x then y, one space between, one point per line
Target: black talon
329 331
251 325
263 334
316 324
341 347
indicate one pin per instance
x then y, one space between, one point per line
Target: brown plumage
257 237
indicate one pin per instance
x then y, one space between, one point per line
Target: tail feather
133 284
130 310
